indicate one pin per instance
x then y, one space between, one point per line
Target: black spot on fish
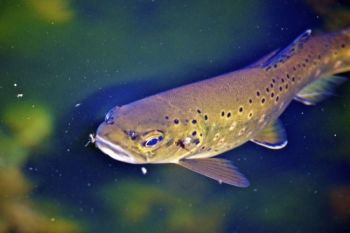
250 115
196 141
176 121
288 77
319 57
294 68
241 109
199 111
194 121
166 118
273 80
263 100
293 79
281 88
257 93
180 143
267 89
271 85
272 95
286 86
342 45
222 113
206 117
277 98
306 60
194 133
250 101
228 115
282 80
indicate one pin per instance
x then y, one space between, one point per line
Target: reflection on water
64 64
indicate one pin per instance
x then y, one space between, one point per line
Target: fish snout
110 147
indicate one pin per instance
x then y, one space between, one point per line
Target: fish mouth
113 150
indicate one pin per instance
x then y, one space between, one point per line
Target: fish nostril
109 119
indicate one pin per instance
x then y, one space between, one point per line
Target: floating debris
144 170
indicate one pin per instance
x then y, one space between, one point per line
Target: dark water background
64 64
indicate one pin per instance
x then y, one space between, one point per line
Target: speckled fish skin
206 118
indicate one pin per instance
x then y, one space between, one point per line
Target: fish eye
152 142
153 139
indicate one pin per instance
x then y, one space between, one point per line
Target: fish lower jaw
114 151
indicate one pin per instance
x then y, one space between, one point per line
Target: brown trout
189 125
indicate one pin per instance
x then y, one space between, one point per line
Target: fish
192 124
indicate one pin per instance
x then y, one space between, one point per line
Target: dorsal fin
272 137
218 169
264 59
286 53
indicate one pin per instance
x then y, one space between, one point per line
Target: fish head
146 132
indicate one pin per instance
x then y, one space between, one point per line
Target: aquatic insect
189 125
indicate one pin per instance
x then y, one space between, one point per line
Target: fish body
189 125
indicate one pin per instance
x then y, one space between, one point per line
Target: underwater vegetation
334 14
65 63
25 128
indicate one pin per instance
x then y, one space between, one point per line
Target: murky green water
64 63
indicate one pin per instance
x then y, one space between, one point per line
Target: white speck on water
52 219
335 135
15 85
77 105
144 170
19 95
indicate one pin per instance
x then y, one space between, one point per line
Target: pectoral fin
319 90
272 137
218 169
